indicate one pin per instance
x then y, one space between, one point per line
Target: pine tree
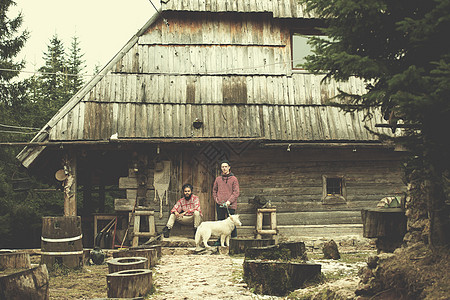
54 79
398 49
76 66
11 42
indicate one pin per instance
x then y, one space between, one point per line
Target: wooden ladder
138 213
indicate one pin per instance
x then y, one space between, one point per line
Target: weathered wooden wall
292 181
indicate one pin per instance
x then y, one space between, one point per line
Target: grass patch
86 283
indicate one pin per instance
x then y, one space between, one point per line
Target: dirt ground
183 275
180 274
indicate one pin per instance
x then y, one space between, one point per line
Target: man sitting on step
186 211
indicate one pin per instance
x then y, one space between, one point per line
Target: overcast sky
102 26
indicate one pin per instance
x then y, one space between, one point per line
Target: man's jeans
222 214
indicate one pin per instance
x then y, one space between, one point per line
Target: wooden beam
70 185
326 145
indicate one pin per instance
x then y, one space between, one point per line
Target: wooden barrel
61 242
129 283
126 263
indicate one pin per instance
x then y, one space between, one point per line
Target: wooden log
15 260
282 251
239 245
278 278
151 254
126 263
129 283
61 241
32 284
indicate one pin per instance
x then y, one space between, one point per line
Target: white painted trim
75 238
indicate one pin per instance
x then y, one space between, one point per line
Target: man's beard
188 197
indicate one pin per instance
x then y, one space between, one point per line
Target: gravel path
203 277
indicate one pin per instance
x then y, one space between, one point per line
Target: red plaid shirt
189 206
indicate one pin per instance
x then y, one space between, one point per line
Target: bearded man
186 211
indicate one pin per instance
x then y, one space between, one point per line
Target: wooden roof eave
28 155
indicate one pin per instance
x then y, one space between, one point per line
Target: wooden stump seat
150 254
129 283
239 245
15 260
283 251
126 263
278 278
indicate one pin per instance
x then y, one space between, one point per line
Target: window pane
300 49
334 186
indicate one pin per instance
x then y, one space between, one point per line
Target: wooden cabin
207 80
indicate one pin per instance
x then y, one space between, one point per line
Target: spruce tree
54 79
399 49
75 64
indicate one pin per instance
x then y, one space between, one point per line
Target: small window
334 186
334 190
300 46
300 49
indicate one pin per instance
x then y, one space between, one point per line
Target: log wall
293 182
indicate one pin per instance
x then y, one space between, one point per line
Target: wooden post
259 223
70 186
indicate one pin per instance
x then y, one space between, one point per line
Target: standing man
225 193
186 211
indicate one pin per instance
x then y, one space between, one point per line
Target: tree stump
15 260
278 278
282 251
126 263
150 254
238 245
386 224
156 247
31 284
330 250
129 283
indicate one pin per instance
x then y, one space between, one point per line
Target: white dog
221 228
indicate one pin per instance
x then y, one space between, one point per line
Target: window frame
334 198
